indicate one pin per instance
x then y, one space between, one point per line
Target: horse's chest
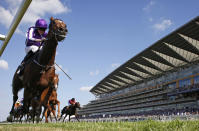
44 81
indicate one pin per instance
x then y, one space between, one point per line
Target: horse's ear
51 18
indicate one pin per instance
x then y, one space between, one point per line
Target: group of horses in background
39 80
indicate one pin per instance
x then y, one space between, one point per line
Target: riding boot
22 65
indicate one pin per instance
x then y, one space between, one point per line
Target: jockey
17 105
71 102
34 37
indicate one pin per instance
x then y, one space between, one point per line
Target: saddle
27 59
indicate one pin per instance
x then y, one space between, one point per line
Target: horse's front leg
10 117
38 113
60 117
69 118
46 114
26 101
15 97
76 116
43 114
58 104
65 117
20 118
53 111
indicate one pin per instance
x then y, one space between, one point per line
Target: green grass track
149 125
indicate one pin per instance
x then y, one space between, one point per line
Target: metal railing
15 22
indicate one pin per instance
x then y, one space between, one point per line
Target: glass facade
172 85
185 82
196 79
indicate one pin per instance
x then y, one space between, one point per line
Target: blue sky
103 34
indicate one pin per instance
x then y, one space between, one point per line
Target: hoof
38 120
10 118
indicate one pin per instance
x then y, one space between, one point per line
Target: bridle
58 33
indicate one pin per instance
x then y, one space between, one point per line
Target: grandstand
161 80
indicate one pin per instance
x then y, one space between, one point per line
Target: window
185 82
172 85
196 79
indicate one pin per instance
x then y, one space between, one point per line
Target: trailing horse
71 110
40 71
50 103
18 114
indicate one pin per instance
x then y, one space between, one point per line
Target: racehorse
40 70
71 110
50 103
18 113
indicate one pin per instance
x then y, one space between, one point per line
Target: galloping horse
18 114
50 103
71 110
40 71
48 99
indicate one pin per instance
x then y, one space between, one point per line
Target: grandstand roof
179 48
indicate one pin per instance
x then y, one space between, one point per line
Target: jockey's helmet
73 99
41 23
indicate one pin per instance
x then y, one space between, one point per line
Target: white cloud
86 88
94 73
4 64
7 17
148 7
151 19
37 9
166 23
115 65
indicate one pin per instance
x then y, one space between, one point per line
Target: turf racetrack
149 125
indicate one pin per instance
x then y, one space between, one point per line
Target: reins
46 67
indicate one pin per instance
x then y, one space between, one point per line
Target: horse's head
77 105
56 81
58 28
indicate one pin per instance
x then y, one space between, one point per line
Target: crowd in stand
144 114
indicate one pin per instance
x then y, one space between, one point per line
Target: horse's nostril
61 29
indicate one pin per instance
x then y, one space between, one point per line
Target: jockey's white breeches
32 48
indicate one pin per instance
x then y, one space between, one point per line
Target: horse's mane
52 23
